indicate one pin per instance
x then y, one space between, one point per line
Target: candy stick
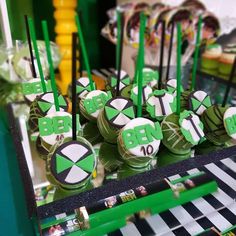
30 47
170 50
52 75
196 53
6 31
33 37
179 45
120 29
73 88
231 76
163 23
118 17
84 52
141 63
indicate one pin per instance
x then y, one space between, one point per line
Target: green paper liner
110 157
129 158
166 157
108 132
91 133
125 171
173 138
213 121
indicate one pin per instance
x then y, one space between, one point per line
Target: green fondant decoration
207 102
187 133
129 112
87 163
111 112
44 106
113 81
141 135
230 125
149 76
62 163
126 81
61 101
195 103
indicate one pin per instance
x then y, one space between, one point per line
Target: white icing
231 111
200 96
92 94
146 92
74 152
31 97
48 97
75 175
172 83
167 99
137 150
84 81
121 119
122 73
52 139
119 103
187 125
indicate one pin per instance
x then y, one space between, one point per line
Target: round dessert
33 88
139 141
72 164
22 64
161 104
147 91
115 115
125 171
150 77
210 57
173 137
91 133
93 103
171 86
226 61
110 157
82 87
112 81
213 121
199 101
55 127
43 105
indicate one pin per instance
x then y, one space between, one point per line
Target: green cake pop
213 121
138 142
72 165
181 131
115 115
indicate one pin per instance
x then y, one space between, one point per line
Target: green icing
62 163
129 112
196 103
230 124
44 106
61 101
87 163
211 46
111 112
149 76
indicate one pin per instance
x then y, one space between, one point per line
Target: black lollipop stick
74 96
170 50
163 23
30 46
